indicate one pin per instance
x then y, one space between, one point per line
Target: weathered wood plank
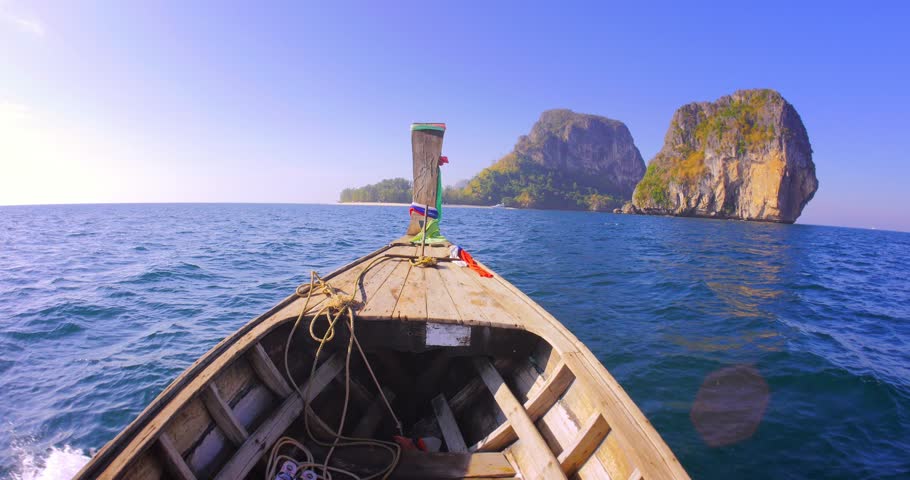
536 460
440 305
536 406
223 415
173 462
268 433
590 436
344 280
385 297
450 431
371 419
373 279
234 379
469 392
466 296
426 146
541 400
466 395
148 466
187 426
412 302
422 465
418 465
267 371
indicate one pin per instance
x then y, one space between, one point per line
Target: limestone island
745 156
569 161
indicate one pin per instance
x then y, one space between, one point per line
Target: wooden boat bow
506 389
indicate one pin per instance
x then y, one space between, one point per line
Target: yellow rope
423 262
336 305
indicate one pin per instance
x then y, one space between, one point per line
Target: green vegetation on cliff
745 155
393 190
517 182
735 125
654 187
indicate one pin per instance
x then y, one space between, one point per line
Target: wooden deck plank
466 296
590 436
173 462
385 297
373 280
267 371
450 431
412 301
344 280
223 415
535 459
498 310
440 305
268 433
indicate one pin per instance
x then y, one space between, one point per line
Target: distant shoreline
388 204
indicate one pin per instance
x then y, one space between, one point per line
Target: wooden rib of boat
505 387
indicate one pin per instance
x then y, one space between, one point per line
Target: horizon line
379 204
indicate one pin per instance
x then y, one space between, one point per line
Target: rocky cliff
745 156
569 160
585 146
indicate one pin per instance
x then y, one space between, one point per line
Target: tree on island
392 190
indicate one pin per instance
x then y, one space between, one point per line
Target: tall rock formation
585 146
745 156
569 160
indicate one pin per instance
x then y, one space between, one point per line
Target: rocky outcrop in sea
745 156
598 149
568 161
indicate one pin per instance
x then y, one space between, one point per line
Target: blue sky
190 101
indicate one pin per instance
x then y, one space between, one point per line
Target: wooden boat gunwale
115 446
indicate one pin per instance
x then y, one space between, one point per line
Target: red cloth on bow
467 258
443 161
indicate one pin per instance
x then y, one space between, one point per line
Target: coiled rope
337 305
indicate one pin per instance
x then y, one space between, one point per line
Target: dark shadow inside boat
435 392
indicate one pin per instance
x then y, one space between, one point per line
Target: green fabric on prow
433 234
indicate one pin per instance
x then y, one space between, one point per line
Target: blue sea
101 306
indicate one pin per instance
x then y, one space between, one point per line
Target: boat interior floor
468 402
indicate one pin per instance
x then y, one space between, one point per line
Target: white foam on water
58 464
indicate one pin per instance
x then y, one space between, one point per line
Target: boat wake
58 463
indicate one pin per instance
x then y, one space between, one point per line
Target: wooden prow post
426 146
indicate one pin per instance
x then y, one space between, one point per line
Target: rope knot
423 262
341 302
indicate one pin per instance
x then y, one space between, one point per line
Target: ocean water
801 333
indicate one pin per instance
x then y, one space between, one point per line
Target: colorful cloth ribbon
457 252
418 209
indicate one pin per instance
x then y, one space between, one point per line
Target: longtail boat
415 361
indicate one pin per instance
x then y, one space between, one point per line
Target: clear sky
111 101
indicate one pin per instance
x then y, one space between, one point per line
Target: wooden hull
508 390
